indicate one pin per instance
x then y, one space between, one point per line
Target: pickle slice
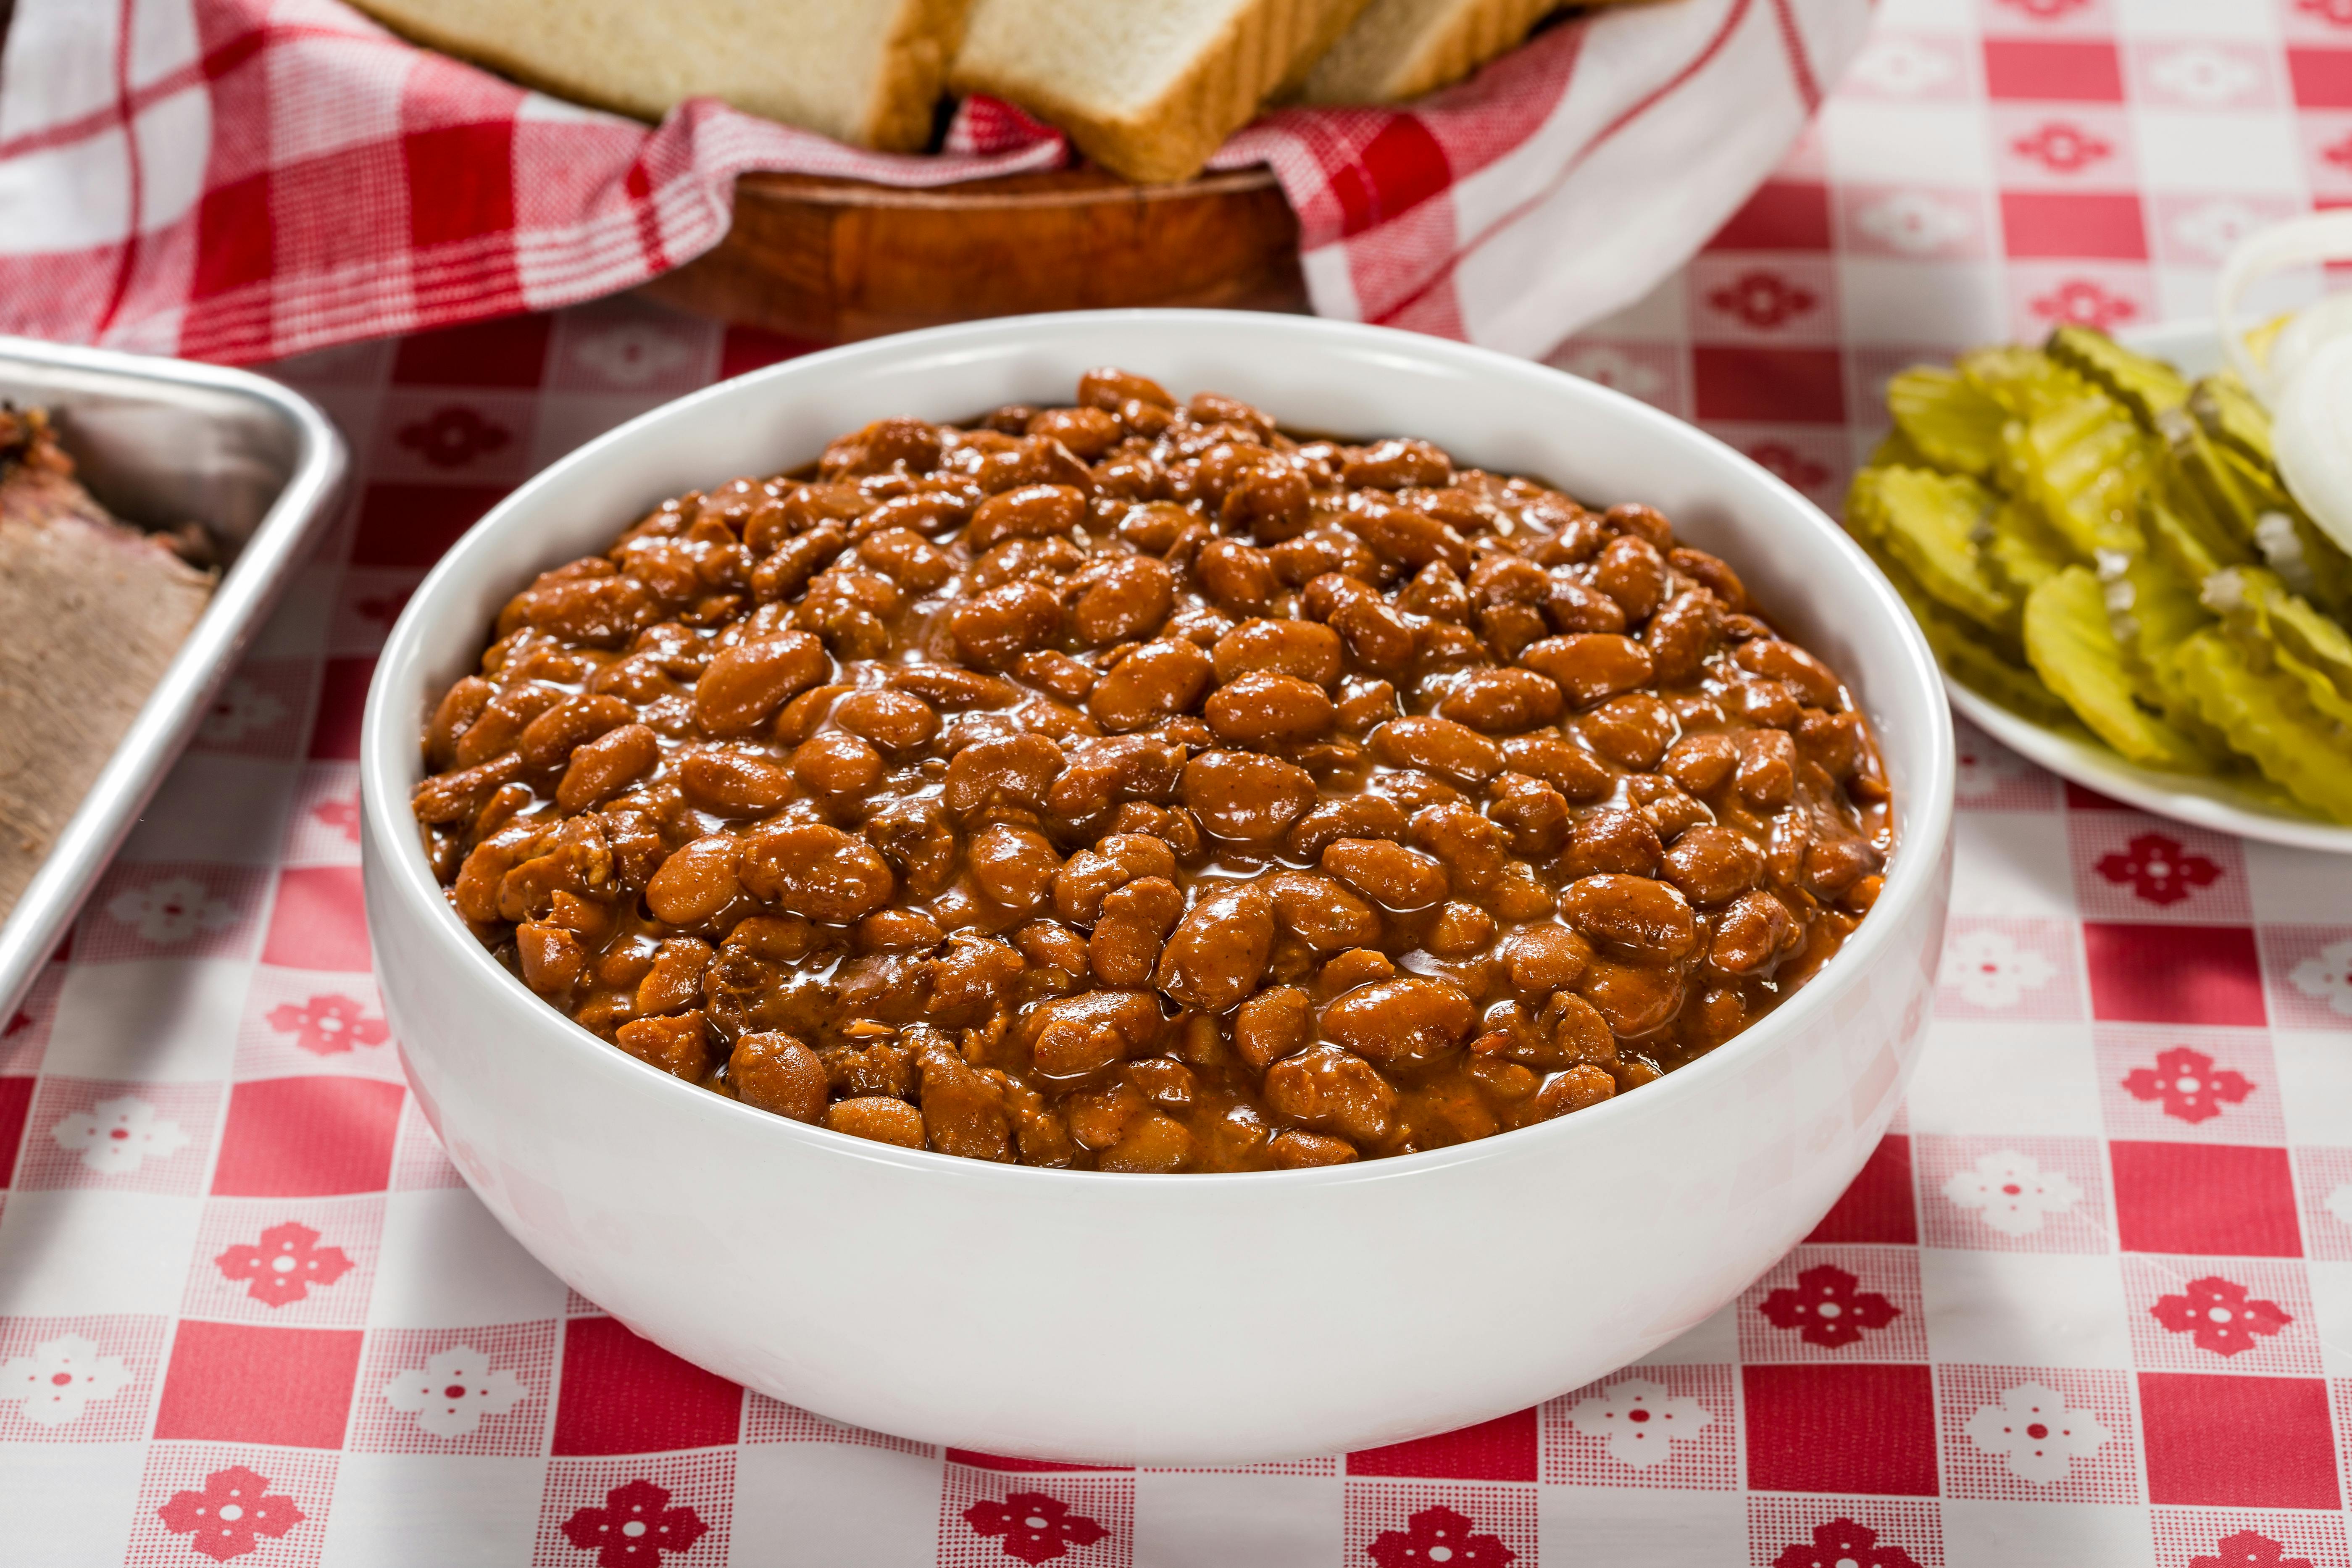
1929 522
2072 645
2148 387
2024 551
1948 421
2276 628
2231 414
2265 720
2084 463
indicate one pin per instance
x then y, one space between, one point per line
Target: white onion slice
2306 377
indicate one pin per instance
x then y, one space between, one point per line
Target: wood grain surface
832 259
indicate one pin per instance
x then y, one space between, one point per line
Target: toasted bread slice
868 73
1402 49
1149 88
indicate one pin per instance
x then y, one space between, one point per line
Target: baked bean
1574 609
1394 465
1301 649
1631 998
1591 667
1768 768
1834 741
1543 959
1262 709
1348 817
678 1044
1575 1089
460 794
1713 865
1404 1023
877 1118
779 1075
1680 636
463 703
837 763
1357 966
1501 701
1834 865
592 611
1236 576
1017 771
1076 1037
1388 874
1576 774
1449 750
604 767
696 882
1275 1023
1031 512
1247 796
1701 763
1136 918
997 627
1751 934
1088 433
891 719
1157 680
847 727
1612 841
1471 849
1014 866
1329 1089
1533 816
733 784
1114 389
551 958
1785 661
1217 954
1632 729
1291 1149
1630 570
1710 572
1460 931
743 686
810 869
1648 919
499 726
1321 913
1410 537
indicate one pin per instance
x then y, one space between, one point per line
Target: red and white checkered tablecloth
240 180
2093 1294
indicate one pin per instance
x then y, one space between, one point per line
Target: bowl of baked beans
1167 886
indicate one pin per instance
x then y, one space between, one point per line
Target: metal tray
159 441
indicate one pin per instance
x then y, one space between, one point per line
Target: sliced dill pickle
1930 522
2266 721
1952 425
2072 645
2148 387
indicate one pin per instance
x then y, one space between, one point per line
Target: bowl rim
400 865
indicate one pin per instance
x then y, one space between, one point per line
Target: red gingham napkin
295 177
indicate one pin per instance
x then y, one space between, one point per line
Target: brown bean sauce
1133 786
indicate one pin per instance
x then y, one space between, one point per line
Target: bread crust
895 116
1218 92
1393 54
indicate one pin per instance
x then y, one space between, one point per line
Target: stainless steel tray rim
247 592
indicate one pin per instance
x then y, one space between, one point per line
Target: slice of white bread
1402 49
863 71
1149 88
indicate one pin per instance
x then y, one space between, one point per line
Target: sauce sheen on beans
1133 786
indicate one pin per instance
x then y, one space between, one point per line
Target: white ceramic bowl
1156 1319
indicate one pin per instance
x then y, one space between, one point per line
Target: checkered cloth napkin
240 180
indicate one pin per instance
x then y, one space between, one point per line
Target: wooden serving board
832 259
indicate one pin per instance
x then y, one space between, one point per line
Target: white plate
2214 804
